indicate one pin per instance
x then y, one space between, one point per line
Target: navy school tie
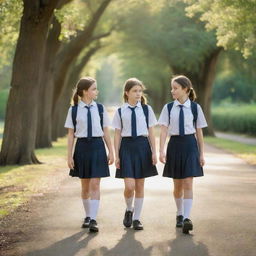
89 122
181 121
133 119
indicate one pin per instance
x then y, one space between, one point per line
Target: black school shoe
187 226
86 222
179 221
137 225
127 219
93 226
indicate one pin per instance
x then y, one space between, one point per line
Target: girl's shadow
127 246
182 245
66 247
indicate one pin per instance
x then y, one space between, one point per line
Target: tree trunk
203 82
63 102
71 51
21 116
205 92
44 124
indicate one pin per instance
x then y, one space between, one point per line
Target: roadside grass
19 183
244 151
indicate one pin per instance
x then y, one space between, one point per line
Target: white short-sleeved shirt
173 126
141 122
81 120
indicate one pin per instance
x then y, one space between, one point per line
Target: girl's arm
152 142
117 140
109 145
163 136
200 141
70 148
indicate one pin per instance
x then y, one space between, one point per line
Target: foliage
235 80
10 14
73 18
167 35
237 87
153 39
233 20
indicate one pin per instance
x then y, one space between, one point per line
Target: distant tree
165 34
233 20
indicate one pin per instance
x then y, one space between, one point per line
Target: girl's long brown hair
185 82
83 84
129 84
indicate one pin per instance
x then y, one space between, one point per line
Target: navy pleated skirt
182 158
90 159
135 158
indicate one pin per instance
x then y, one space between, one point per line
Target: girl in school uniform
135 149
88 122
183 119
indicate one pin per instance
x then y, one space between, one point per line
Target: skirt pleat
182 158
90 159
135 159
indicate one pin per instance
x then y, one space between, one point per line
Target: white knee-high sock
86 203
179 204
129 203
94 207
187 207
138 202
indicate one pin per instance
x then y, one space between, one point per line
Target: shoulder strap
145 110
194 112
169 107
100 109
120 115
74 114
193 109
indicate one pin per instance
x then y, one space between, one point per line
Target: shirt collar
186 104
126 104
82 104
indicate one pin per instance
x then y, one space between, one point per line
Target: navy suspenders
74 114
145 111
193 109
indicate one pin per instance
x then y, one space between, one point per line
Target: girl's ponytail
192 94
75 98
143 100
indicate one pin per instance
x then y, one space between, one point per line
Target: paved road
223 216
236 137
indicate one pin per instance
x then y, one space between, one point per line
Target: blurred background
46 46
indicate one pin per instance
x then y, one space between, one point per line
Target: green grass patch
19 183
244 151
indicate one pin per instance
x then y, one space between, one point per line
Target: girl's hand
162 157
202 161
70 163
110 158
117 163
154 159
